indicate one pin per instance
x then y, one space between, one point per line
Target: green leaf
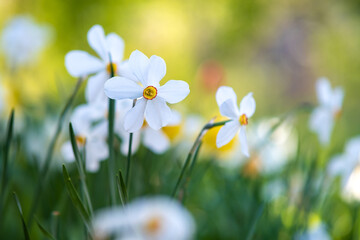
80 166
255 222
74 196
25 229
7 145
122 188
44 231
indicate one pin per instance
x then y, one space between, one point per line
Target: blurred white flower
316 232
346 165
110 48
158 141
91 130
155 218
22 40
330 103
151 97
227 101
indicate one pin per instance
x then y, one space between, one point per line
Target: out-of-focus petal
122 88
248 105
95 87
97 41
323 91
116 47
227 133
96 151
224 93
337 98
243 141
322 122
156 141
157 113
125 136
229 109
139 65
174 91
134 118
157 70
67 152
80 63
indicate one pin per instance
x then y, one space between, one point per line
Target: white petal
116 47
122 88
229 109
157 113
96 39
157 70
322 122
224 93
248 105
174 91
337 98
243 141
226 133
139 64
134 118
96 151
323 91
175 118
156 141
95 86
80 63
67 152
125 71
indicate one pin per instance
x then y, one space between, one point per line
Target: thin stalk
128 165
111 163
5 160
49 154
193 150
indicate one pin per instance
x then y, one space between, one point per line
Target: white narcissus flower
346 166
91 130
323 117
151 97
110 48
227 102
22 40
156 218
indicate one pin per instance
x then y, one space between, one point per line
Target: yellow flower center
153 225
113 66
243 120
150 92
80 140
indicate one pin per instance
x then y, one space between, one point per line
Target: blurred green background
276 49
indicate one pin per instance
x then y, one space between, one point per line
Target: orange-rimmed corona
243 120
150 92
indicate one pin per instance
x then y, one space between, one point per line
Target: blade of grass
44 231
255 222
121 188
80 166
74 196
5 159
25 228
49 154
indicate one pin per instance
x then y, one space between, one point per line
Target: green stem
50 151
127 176
193 150
111 163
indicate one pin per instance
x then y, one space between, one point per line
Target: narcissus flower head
239 117
144 86
110 49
